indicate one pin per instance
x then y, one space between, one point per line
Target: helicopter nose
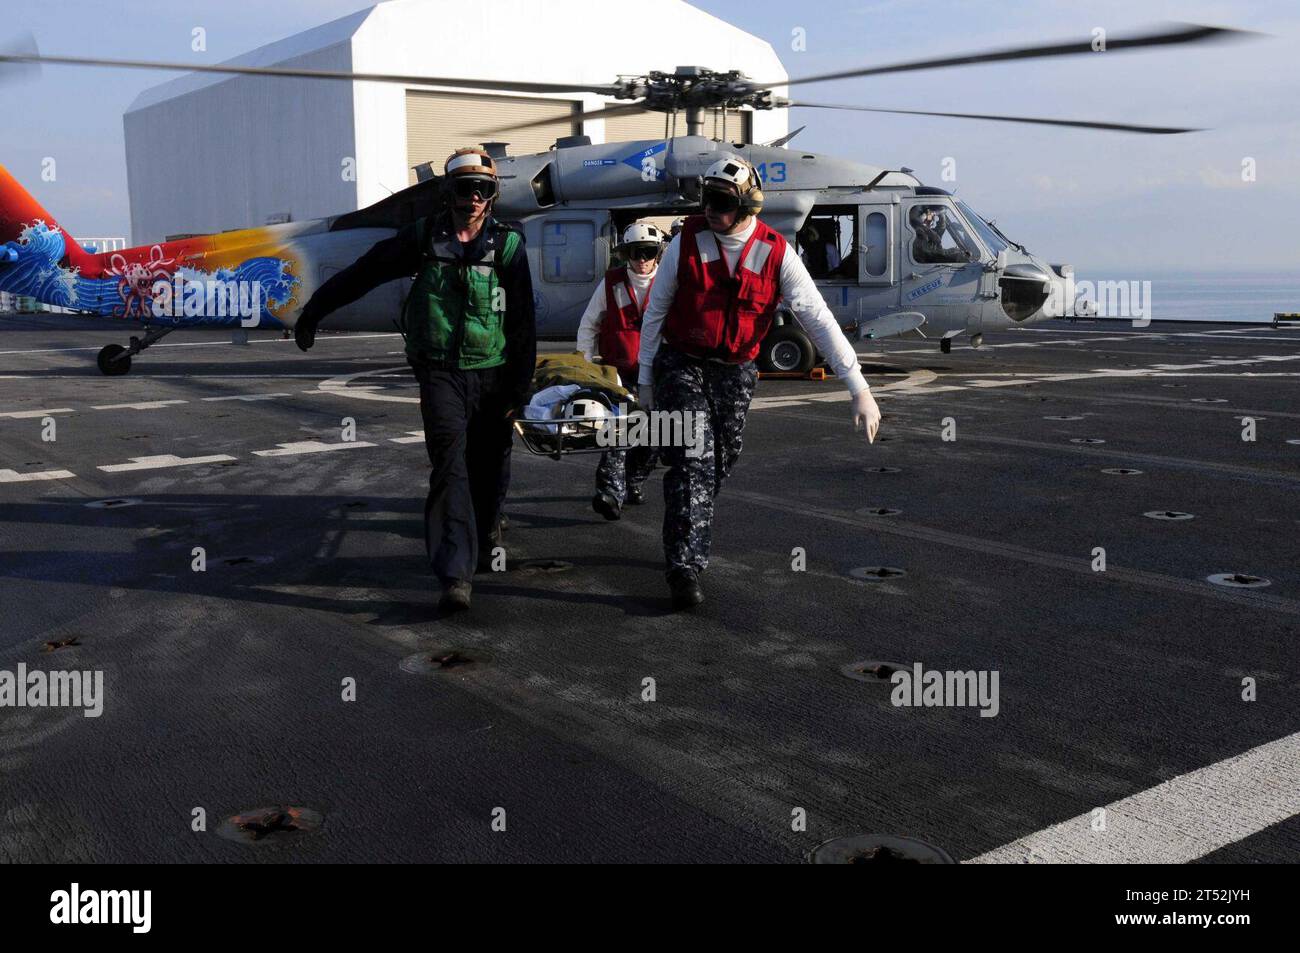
1025 290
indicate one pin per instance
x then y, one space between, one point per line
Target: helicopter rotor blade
1038 121
18 70
1184 33
605 113
289 72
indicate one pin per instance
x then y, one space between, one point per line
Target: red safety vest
619 338
718 314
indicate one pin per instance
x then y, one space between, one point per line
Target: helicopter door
569 252
940 262
877 263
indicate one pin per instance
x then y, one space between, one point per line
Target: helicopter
891 256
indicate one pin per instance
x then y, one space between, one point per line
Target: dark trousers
619 469
468 439
721 392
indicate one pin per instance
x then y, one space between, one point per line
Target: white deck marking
413 436
1178 821
343 387
309 446
247 397
224 343
13 476
759 403
918 382
1128 331
139 405
24 414
1244 337
162 462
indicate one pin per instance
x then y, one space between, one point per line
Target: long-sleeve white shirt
797 288
589 326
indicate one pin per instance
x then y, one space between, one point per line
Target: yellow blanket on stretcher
556 369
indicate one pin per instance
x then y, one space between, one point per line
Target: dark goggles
643 253
466 188
720 200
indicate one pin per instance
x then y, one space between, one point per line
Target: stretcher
555 436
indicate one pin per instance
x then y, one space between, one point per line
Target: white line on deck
13 476
1178 821
309 446
162 462
247 397
226 343
139 405
413 436
23 414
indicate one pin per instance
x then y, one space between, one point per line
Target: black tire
786 349
945 345
109 362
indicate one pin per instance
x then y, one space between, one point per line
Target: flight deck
1104 517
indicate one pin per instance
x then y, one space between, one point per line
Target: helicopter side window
827 243
940 237
568 251
877 244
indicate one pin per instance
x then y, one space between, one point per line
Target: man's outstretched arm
387 260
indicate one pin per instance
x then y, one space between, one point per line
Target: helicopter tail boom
23 219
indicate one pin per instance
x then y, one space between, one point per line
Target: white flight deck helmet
588 409
736 171
642 233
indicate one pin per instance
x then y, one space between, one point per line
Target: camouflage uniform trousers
722 392
620 468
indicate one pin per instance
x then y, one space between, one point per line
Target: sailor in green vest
471 340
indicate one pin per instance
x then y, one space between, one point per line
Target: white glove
646 395
589 357
866 415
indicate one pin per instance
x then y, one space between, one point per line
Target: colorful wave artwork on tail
247 277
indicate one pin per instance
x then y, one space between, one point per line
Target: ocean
1213 296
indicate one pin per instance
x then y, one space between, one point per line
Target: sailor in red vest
711 306
612 326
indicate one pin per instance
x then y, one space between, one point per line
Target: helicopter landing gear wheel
787 350
976 340
945 345
114 360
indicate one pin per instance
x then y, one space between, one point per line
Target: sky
1101 201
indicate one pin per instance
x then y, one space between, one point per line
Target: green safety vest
449 318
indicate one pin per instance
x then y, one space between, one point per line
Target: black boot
685 587
606 506
635 495
455 596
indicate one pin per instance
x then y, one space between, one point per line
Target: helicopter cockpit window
569 251
827 242
986 231
941 236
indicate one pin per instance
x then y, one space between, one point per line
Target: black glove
304 331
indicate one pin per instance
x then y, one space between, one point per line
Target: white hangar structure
209 152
